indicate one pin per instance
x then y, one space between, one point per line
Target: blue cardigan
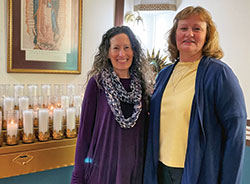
217 127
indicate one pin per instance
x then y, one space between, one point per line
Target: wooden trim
119 10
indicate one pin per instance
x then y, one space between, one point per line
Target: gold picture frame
44 36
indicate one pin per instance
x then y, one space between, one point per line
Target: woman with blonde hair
197 110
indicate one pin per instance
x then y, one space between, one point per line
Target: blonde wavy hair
211 47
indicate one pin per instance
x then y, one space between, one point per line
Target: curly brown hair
211 47
140 65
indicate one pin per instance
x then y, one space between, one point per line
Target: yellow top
175 114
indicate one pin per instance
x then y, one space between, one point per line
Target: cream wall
98 16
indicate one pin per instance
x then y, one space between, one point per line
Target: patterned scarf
115 92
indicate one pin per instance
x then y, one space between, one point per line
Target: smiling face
190 38
121 54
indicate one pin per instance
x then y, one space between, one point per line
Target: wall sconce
134 19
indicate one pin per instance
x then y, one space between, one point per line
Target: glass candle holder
45 90
43 125
44 101
12 128
77 104
58 92
64 102
64 106
8 105
7 90
32 94
57 123
32 90
71 122
51 110
80 90
33 102
28 128
58 89
23 103
71 91
18 92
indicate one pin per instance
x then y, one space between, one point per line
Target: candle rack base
71 133
36 157
28 139
43 136
12 140
57 135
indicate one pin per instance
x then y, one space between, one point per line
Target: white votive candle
44 100
33 101
71 118
57 119
64 101
28 122
43 120
12 128
23 103
8 105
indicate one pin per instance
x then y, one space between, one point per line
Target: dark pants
169 175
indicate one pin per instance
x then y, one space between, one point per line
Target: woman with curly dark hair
111 138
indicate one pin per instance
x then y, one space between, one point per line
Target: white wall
98 16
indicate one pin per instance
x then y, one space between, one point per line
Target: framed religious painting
44 36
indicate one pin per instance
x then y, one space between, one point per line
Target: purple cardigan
106 153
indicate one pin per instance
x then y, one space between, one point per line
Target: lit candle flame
59 105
